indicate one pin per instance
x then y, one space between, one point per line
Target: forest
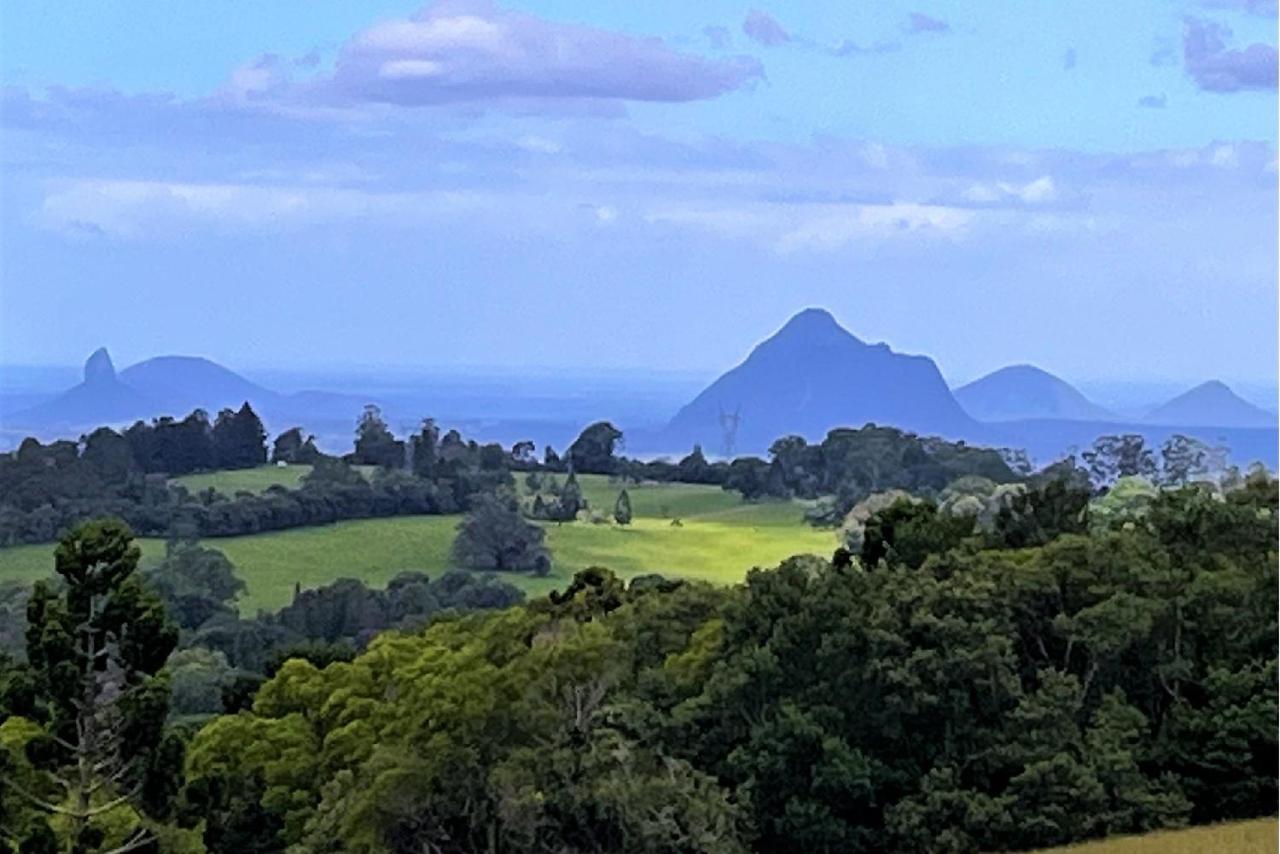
1082 651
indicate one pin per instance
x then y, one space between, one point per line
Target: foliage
93 758
494 536
997 695
592 451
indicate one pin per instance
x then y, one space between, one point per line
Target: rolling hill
1025 391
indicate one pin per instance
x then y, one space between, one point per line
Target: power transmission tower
729 422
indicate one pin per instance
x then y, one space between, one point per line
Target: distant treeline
46 489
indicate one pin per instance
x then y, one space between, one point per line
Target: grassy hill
718 539
1239 837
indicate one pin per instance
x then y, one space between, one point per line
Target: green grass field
1239 837
719 538
258 479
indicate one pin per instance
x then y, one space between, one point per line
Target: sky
1086 186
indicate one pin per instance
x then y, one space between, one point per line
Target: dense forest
978 668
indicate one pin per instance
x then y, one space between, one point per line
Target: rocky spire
98 369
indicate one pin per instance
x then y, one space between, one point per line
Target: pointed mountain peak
1212 387
98 368
813 323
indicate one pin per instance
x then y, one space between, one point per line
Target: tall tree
622 509
239 439
592 451
96 647
375 445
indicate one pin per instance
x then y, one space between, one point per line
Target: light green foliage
495 731
1124 503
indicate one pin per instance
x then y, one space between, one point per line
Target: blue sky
1087 186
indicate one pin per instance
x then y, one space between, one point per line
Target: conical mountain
184 383
1211 404
809 377
1025 391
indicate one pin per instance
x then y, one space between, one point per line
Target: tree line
46 489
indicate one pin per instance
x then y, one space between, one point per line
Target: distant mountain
100 398
167 385
183 383
1024 392
174 386
1211 404
811 376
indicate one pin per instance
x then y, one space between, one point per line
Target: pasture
1238 837
718 539
260 479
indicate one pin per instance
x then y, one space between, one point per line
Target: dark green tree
1114 457
239 439
290 447
195 582
494 536
96 646
907 532
375 445
592 451
622 509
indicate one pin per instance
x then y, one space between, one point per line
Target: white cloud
790 228
1039 191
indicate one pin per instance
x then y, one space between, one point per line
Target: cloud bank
1218 68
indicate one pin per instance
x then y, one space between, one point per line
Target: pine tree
622 509
97 647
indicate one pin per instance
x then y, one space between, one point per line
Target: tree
1185 459
906 532
239 439
1113 457
97 647
568 503
375 445
290 447
494 536
592 451
622 509
425 448
195 582
109 454
694 468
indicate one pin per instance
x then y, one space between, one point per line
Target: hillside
1211 404
813 375
1025 392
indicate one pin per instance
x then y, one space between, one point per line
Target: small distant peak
98 368
1214 386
